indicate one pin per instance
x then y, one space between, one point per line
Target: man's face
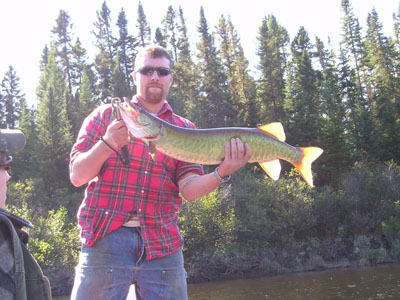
152 89
4 177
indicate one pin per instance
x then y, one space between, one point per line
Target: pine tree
104 61
170 40
119 84
235 64
185 74
144 31
396 27
87 93
126 50
213 107
159 38
273 41
79 64
25 160
336 159
352 40
55 139
11 99
169 32
303 103
352 51
71 60
44 58
63 45
383 90
396 44
79 55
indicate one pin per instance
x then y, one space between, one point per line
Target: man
128 217
20 276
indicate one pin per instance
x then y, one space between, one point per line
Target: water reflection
381 282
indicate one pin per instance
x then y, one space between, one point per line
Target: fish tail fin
304 166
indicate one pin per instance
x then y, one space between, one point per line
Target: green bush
54 242
206 224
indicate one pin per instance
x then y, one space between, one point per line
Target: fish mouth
152 138
129 109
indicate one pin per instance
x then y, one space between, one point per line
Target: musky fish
207 146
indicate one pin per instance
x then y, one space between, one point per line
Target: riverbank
362 251
379 282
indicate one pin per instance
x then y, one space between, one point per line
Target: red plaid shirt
146 187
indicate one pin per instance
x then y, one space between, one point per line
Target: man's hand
87 164
117 134
236 156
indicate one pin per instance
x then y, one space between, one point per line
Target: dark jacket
20 275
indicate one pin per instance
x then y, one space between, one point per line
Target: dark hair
154 51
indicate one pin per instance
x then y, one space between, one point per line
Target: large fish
207 146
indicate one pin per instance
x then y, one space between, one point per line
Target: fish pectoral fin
275 129
272 168
153 150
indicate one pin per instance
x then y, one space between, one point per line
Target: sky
25 25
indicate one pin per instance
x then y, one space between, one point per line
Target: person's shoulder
98 114
183 122
102 109
14 219
170 116
5 221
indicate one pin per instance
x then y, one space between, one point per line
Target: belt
132 222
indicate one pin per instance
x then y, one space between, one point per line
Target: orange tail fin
304 166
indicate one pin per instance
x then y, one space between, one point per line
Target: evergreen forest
345 100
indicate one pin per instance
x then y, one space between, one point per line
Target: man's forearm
200 186
87 165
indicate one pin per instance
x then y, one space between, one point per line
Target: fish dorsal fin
275 129
272 168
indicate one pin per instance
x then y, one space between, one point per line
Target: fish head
140 123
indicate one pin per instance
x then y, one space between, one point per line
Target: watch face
226 179
222 180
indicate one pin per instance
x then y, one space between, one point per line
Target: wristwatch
221 180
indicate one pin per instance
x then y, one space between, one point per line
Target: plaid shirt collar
165 112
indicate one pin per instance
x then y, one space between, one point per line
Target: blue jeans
108 268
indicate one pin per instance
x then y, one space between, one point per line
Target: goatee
154 97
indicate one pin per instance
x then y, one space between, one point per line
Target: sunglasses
6 163
6 167
161 71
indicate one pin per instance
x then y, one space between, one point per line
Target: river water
381 282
